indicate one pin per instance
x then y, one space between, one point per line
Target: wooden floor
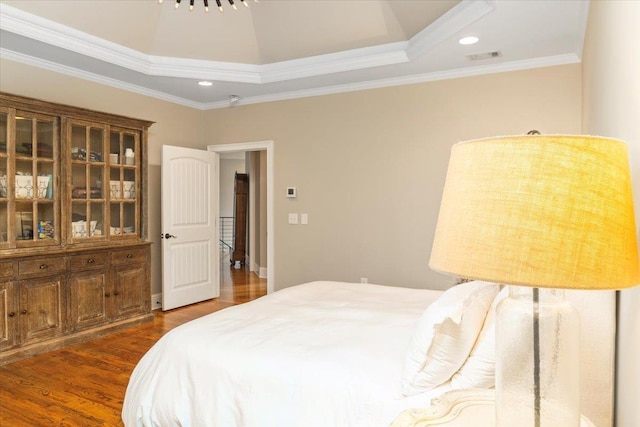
84 385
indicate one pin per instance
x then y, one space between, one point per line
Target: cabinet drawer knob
107 295
129 255
90 261
43 266
116 293
23 312
12 314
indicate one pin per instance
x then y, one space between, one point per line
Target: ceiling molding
328 90
374 84
32 26
455 20
202 69
583 19
405 80
416 53
355 59
96 78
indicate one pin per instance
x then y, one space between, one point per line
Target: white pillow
445 335
480 367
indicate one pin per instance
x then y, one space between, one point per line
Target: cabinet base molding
75 338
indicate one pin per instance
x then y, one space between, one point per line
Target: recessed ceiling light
468 40
205 83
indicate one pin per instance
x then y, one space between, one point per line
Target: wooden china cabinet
74 254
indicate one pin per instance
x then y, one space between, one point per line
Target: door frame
267 146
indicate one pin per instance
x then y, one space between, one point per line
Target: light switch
293 218
304 219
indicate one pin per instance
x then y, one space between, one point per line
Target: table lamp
543 213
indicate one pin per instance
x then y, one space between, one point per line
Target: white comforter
319 354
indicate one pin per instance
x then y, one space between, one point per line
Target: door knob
167 236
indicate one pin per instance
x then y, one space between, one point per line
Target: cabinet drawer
41 266
6 269
87 261
133 255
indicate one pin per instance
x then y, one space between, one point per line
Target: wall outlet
293 218
156 301
364 280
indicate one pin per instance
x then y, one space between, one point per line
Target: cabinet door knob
129 255
107 295
23 312
43 266
12 314
90 261
116 293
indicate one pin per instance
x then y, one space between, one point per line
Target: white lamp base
537 359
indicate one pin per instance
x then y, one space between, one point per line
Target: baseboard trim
156 301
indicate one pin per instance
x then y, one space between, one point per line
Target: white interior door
190 259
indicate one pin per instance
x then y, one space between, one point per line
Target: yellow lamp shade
539 210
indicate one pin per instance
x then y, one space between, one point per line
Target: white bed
318 354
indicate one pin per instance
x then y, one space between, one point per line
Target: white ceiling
282 49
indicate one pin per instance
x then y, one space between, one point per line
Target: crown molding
34 27
583 19
504 67
349 60
96 78
455 20
164 66
282 96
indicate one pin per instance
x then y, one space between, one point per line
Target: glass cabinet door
87 176
34 191
124 147
4 195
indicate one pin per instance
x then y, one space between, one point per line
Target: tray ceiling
281 49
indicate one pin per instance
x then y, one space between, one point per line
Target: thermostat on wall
291 192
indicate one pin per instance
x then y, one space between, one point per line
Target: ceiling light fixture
205 83
468 40
206 4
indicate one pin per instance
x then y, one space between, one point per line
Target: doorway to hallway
258 161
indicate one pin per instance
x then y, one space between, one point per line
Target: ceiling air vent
485 55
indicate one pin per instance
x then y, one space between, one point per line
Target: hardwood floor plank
53 403
84 385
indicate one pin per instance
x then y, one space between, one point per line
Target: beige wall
369 166
611 69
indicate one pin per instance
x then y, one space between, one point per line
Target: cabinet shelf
85 162
31 158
